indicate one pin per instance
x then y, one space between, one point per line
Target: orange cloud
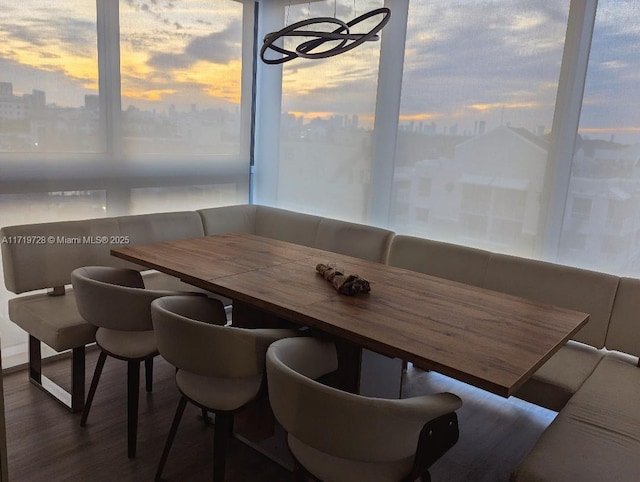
503 105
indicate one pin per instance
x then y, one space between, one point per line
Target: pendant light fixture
341 37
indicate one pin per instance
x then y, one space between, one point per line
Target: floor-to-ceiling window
478 95
601 228
515 127
112 107
327 117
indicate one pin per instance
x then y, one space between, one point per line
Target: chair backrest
114 298
339 423
191 335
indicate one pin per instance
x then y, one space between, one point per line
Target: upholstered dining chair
116 301
220 368
338 436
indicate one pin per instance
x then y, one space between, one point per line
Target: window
167 92
486 121
474 226
424 187
507 233
509 203
327 122
181 70
605 171
49 77
577 242
476 198
422 214
116 107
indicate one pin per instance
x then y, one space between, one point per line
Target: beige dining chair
338 436
116 301
219 368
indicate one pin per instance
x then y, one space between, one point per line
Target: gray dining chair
116 301
338 436
220 368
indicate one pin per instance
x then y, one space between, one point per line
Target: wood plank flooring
46 442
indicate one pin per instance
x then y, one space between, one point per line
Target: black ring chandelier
345 38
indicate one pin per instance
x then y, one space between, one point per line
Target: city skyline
177 53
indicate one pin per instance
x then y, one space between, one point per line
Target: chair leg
220 436
92 390
205 417
172 435
133 388
148 374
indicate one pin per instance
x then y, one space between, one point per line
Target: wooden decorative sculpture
346 285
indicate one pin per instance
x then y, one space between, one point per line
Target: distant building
489 195
92 102
15 107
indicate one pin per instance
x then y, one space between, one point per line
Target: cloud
510 57
218 47
50 31
157 9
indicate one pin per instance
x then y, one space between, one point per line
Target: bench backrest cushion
359 240
352 239
564 286
158 227
284 225
59 248
436 258
64 246
229 219
624 327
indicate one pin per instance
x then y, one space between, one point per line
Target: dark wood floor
46 443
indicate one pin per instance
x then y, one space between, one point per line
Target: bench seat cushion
561 376
53 320
596 436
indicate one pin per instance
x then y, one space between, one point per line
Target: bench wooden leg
73 401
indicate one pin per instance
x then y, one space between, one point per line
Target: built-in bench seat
568 287
593 380
37 263
596 435
553 384
39 270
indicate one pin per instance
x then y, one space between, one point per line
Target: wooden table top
488 339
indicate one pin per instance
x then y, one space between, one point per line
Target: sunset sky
465 60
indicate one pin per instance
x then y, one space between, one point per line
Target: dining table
485 338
